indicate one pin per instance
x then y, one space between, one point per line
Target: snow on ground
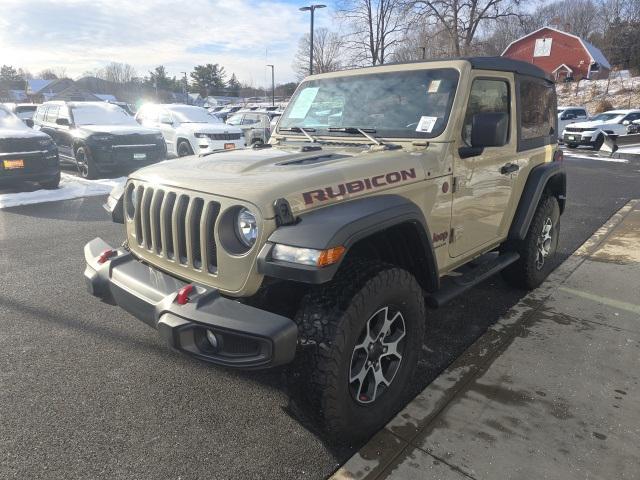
635 150
621 92
70 187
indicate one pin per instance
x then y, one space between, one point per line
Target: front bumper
247 337
109 158
209 146
577 138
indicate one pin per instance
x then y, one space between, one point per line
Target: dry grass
601 95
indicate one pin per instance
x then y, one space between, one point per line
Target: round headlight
132 201
246 227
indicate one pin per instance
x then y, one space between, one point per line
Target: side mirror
488 129
62 121
626 122
29 122
166 121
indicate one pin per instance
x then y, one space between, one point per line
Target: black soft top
501 64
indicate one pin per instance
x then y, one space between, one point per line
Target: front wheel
538 248
362 333
85 164
184 149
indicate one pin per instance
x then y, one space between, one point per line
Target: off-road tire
51 184
524 273
84 162
597 144
184 149
331 319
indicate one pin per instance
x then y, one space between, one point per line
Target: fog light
213 339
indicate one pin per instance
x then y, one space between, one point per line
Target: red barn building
560 54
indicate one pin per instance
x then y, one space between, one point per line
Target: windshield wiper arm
362 131
301 130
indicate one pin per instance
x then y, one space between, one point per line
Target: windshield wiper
362 131
304 131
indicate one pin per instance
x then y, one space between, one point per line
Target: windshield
414 104
605 117
106 114
188 114
9 120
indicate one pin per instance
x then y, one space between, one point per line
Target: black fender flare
552 173
344 224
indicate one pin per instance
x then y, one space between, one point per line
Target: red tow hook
183 295
106 255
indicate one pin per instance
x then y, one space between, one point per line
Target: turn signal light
106 255
330 256
183 295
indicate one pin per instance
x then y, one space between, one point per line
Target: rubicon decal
355 186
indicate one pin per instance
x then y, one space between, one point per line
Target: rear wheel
538 248
184 149
362 333
85 164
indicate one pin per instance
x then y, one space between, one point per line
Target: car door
167 125
629 119
64 133
483 183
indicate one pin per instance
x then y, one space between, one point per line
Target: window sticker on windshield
426 124
303 103
434 86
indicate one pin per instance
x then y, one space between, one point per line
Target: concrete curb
389 445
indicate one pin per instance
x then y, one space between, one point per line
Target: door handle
508 168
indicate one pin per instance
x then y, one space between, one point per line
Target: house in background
560 54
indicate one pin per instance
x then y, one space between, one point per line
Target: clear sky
82 35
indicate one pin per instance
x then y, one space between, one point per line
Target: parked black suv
99 137
26 155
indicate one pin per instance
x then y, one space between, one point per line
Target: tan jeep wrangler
322 247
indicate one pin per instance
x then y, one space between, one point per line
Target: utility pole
273 87
186 95
312 9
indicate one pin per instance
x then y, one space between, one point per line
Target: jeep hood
263 176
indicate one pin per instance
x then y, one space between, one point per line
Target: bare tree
117 73
48 74
327 46
422 41
375 28
463 19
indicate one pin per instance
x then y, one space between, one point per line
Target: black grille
574 129
224 136
135 139
9 145
177 226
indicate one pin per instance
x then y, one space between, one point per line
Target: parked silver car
256 125
190 130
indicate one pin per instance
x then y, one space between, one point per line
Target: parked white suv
569 115
189 130
592 132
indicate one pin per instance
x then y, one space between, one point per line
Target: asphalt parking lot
86 391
